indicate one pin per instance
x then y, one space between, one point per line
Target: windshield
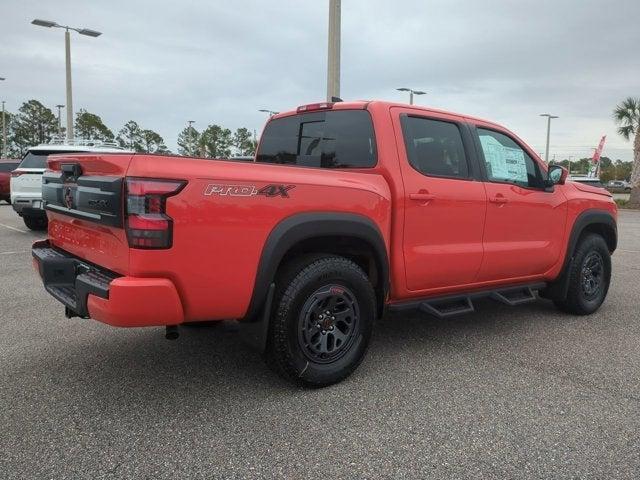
38 159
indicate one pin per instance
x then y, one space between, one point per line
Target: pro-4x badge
272 190
275 190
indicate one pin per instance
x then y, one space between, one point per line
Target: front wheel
35 223
589 277
322 321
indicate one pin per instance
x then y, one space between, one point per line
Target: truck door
445 203
524 230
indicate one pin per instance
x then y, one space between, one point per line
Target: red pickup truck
349 209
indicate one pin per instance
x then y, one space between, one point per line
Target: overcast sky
162 63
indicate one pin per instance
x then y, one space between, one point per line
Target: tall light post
549 117
411 93
270 112
191 142
59 107
67 50
333 51
3 153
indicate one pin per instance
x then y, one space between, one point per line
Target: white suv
26 180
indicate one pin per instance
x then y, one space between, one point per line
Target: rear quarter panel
218 238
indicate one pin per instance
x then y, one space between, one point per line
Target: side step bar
514 296
446 308
451 305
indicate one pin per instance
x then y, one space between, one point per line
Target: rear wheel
323 319
35 223
589 277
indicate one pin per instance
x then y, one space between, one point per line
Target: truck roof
363 104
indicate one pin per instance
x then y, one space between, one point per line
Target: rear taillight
15 173
148 225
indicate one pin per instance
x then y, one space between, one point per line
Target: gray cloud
162 63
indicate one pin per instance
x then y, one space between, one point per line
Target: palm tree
627 116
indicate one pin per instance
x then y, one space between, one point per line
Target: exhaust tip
171 333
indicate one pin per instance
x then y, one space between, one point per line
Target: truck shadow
212 366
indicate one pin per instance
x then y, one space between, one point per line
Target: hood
590 189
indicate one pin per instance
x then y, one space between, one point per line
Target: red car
349 209
7 165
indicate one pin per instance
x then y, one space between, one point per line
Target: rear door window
434 147
333 139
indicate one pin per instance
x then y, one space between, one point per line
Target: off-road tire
35 223
578 301
289 353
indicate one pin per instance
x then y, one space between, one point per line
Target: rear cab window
34 160
328 139
38 158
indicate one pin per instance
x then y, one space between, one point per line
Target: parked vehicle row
349 209
619 186
585 180
26 179
6 167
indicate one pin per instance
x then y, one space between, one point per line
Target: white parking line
13 253
13 228
628 251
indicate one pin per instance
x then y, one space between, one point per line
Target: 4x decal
272 190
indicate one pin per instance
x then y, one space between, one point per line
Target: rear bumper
90 291
24 205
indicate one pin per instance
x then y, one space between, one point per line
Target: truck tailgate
83 196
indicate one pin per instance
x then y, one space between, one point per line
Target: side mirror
556 175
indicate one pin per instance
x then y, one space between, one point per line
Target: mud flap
254 332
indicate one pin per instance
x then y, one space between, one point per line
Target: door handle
499 199
422 196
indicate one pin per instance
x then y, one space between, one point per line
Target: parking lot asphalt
523 392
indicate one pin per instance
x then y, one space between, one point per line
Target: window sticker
504 163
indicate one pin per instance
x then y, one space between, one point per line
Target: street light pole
333 51
412 92
67 61
67 56
59 120
191 122
3 153
569 158
549 117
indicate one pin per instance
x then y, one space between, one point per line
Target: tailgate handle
71 169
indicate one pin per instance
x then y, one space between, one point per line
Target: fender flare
558 288
303 226
591 217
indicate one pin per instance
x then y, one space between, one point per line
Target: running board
452 305
445 308
514 296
